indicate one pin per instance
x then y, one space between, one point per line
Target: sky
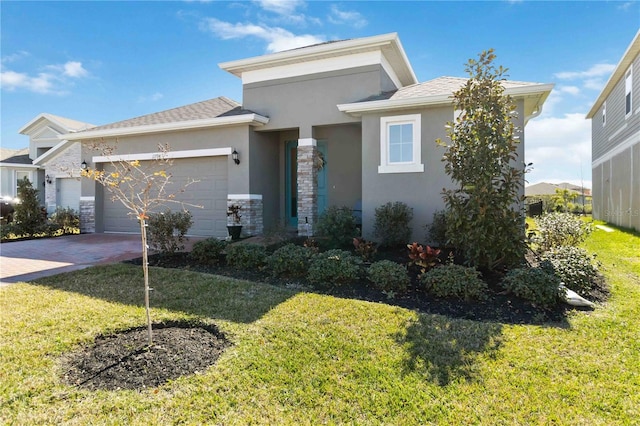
106 61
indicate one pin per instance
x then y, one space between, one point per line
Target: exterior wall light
83 165
48 179
234 155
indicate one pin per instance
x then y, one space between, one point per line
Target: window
400 144
627 93
604 113
19 177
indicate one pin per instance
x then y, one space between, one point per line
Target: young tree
28 216
484 214
141 187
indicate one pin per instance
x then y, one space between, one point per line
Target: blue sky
101 62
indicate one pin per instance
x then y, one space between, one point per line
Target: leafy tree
484 218
28 215
563 197
141 188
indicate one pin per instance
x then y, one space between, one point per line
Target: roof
66 124
212 112
627 59
440 91
545 188
6 153
388 44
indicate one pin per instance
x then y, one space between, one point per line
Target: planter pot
234 231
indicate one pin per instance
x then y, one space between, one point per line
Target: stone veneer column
251 212
307 187
87 215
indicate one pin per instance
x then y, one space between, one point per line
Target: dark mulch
123 360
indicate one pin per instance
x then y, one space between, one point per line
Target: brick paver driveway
32 259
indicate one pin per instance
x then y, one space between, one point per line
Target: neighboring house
53 161
343 123
615 143
15 164
547 189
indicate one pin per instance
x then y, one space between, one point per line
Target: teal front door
291 181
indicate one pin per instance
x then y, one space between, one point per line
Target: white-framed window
400 144
604 114
19 176
628 98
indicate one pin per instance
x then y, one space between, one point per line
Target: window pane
395 134
627 108
407 152
407 133
395 153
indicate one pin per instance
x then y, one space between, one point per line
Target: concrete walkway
32 259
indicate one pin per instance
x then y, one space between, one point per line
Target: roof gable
60 124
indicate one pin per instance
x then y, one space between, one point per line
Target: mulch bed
123 360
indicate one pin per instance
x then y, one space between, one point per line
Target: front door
291 181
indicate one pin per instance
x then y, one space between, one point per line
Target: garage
210 192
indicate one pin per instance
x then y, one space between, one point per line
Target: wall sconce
83 165
234 155
48 179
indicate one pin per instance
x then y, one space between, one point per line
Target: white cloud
153 98
15 57
572 90
354 19
74 69
597 70
278 39
559 148
280 7
52 81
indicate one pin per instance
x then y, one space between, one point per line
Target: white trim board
244 196
192 153
624 145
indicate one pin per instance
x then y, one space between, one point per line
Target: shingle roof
438 86
17 156
212 108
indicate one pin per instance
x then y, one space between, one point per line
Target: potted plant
234 226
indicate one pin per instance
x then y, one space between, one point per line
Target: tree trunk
145 268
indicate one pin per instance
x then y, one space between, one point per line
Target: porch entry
291 181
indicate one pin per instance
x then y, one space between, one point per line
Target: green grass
301 358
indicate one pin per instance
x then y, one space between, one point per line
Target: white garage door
210 192
68 193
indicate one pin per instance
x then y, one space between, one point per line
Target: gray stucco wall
344 163
264 163
307 101
420 191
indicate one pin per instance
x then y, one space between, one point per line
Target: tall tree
484 213
28 216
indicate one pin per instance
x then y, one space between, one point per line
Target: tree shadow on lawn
193 293
444 349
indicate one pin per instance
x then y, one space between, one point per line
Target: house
615 143
544 189
15 164
50 160
342 123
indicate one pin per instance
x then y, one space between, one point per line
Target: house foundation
250 212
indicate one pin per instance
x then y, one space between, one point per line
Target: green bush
332 268
208 252
573 266
437 229
167 230
559 229
453 280
534 284
388 276
28 217
67 220
392 224
246 256
338 225
290 260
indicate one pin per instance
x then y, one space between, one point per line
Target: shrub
423 257
338 225
388 276
333 267
437 229
208 252
365 249
559 229
28 216
246 256
573 266
456 281
392 223
290 260
167 230
534 284
67 220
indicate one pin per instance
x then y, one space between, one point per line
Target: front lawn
302 358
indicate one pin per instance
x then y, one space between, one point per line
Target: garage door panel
210 192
